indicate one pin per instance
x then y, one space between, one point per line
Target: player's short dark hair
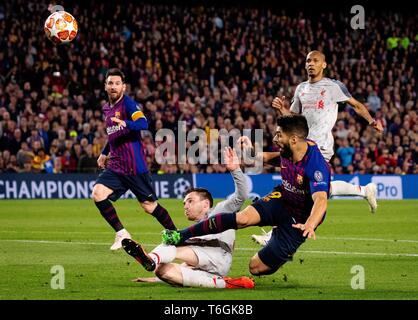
203 193
294 124
115 72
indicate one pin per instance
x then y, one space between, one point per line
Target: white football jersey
318 103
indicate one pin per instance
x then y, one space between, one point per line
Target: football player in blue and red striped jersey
123 159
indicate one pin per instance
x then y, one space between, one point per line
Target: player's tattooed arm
272 158
317 213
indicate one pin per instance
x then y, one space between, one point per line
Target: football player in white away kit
206 259
317 100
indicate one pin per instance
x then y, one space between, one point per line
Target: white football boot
262 239
120 235
371 191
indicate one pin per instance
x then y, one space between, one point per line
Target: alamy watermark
358 21
58 278
198 146
358 281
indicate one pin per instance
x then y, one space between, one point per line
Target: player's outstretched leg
193 277
138 252
215 224
368 192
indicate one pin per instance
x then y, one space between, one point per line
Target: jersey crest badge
318 176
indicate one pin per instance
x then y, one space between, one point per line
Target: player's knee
148 206
258 268
165 272
98 194
260 271
254 268
242 220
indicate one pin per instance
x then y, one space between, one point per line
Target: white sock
155 257
122 231
342 188
163 254
199 278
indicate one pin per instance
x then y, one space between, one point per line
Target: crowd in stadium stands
211 67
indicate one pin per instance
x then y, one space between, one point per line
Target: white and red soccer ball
61 27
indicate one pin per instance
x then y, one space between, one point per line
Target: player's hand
244 142
120 122
279 105
101 162
149 280
308 230
231 159
377 126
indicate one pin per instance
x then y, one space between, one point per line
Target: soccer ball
61 27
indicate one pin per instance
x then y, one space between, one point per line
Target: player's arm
241 193
137 119
101 161
106 149
361 110
279 105
295 105
319 177
272 158
320 200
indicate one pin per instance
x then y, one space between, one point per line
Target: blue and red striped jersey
124 146
302 179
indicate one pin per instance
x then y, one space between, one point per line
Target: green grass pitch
36 235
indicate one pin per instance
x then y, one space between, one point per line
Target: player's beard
117 96
286 152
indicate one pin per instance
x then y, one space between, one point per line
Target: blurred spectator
345 153
87 162
373 101
41 162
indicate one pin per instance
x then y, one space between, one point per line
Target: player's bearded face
286 151
114 88
283 142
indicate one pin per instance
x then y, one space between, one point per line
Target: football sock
109 213
161 214
163 254
215 224
342 188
